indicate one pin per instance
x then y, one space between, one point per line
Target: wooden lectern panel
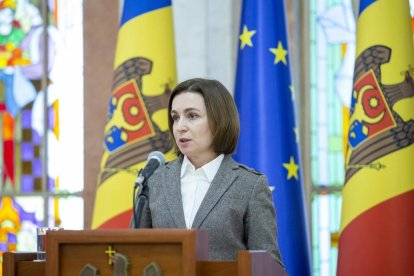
175 251
248 263
217 268
21 263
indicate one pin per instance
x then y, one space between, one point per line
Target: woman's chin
185 151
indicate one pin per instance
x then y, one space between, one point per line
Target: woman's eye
193 116
174 117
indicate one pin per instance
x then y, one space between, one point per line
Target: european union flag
269 135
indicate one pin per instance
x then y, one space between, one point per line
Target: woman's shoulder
249 169
249 178
229 162
173 164
247 173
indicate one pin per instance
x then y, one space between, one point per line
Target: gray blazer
237 211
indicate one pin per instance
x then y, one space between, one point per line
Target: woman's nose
181 125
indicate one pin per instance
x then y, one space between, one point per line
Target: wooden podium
130 252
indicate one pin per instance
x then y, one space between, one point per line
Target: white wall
206 35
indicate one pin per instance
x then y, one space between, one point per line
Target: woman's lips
184 140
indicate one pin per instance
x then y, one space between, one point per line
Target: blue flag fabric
269 136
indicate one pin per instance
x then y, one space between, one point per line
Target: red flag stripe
118 222
380 241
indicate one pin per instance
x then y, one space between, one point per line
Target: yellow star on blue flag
292 168
280 53
246 37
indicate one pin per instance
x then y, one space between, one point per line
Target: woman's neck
198 162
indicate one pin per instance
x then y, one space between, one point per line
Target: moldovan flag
144 74
376 236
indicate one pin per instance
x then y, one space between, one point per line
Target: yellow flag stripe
150 35
370 187
115 192
373 29
384 22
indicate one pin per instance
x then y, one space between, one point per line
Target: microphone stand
139 202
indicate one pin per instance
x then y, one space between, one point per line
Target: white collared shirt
194 185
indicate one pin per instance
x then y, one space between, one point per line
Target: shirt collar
210 169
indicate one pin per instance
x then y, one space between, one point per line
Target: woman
204 188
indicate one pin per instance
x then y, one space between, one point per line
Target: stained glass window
41 76
332 54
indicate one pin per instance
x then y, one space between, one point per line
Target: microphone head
157 155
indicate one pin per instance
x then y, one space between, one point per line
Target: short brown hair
222 113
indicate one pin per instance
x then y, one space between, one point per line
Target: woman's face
191 128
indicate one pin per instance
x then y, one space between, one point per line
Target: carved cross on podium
110 254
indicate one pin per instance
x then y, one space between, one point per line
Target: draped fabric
144 74
269 139
378 196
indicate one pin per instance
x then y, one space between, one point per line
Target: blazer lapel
171 182
225 176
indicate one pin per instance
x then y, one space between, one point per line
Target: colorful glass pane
18 217
332 54
26 201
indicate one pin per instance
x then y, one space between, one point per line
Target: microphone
155 160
